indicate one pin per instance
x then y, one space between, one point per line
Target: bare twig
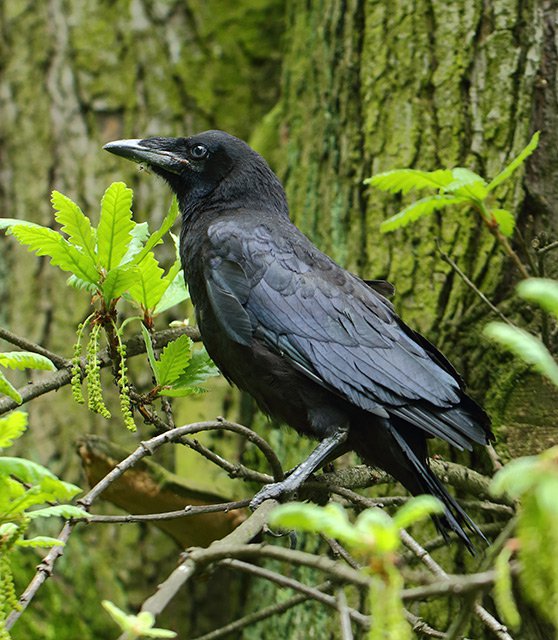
548 247
189 510
262 614
239 537
454 585
446 258
59 361
491 623
344 615
291 583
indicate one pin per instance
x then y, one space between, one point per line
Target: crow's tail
454 519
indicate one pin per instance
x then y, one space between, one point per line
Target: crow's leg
324 451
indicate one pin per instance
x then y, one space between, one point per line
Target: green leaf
175 293
24 470
11 428
526 346
7 389
417 509
67 511
149 348
118 280
157 236
140 233
405 180
40 541
8 529
25 360
516 162
200 368
503 590
149 285
543 291
46 489
115 225
181 392
8 223
175 357
75 224
46 242
81 285
419 209
505 220
136 626
377 531
466 183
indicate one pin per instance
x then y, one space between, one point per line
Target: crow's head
212 167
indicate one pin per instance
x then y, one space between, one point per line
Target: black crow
316 346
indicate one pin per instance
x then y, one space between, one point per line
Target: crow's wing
272 284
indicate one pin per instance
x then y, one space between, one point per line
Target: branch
290 583
455 585
262 614
62 377
446 258
240 536
189 510
27 345
494 625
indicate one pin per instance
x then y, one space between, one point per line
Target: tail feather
454 518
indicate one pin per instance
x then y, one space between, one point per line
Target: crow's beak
146 151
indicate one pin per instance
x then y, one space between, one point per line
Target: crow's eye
198 151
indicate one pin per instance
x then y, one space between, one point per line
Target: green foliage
111 260
534 481
28 492
375 535
524 345
114 261
180 368
20 360
543 292
455 186
140 626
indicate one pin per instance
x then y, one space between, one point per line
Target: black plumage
316 346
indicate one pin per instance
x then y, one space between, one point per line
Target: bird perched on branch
316 346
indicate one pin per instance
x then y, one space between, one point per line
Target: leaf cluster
376 535
457 186
111 260
28 491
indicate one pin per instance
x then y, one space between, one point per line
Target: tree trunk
75 75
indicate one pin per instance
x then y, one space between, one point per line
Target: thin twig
189 510
455 585
59 361
344 615
291 583
490 622
446 258
262 614
548 247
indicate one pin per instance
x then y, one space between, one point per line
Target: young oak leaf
175 358
115 225
46 242
150 284
75 224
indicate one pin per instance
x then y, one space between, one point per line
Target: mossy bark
75 75
367 85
